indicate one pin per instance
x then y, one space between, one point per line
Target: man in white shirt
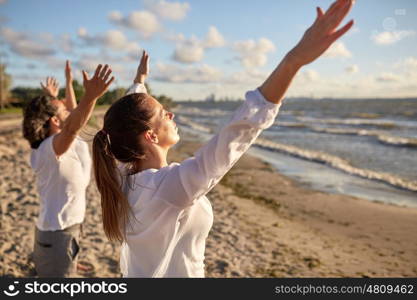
62 164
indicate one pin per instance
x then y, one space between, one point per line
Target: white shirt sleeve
186 182
136 88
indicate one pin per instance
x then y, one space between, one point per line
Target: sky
199 48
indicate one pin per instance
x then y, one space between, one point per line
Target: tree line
19 96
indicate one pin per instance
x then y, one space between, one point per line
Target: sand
265 224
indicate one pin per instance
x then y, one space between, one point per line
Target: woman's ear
150 136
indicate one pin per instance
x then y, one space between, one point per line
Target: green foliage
11 110
24 94
111 96
78 90
166 101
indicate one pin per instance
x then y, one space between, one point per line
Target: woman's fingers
85 75
342 31
320 13
334 19
334 6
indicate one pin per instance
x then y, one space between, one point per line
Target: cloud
388 77
214 38
188 52
192 50
115 16
337 49
24 45
391 37
407 67
352 69
174 11
253 54
65 43
143 22
306 77
310 75
54 62
186 74
4 19
3 1
89 62
113 39
247 77
409 63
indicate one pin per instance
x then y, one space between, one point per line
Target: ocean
362 147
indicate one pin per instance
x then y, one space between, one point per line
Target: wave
324 158
187 122
381 137
193 111
338 163
358 122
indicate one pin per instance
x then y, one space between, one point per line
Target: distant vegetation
12 100
19 96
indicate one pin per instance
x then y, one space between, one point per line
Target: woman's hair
119 140
36 117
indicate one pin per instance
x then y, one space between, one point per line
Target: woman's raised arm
141 75
316 40
195 176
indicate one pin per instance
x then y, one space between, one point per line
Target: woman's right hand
322 34
143 69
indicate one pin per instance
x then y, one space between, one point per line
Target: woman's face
164 125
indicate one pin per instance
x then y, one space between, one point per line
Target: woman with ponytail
159 211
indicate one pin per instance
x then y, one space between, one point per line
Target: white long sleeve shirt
62 183
173 215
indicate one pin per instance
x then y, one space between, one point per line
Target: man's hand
94 88
98 84
51 88
68 72
322 34
143 68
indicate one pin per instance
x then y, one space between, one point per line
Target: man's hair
36 117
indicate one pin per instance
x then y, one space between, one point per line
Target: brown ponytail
119 141
114 205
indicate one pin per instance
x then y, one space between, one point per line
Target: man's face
62 112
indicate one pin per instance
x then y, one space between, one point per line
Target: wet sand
265 224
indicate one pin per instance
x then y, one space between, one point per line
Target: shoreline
315 233
320 175
265 225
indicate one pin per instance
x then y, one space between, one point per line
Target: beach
265 224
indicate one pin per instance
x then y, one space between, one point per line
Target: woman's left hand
322 34
143 68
